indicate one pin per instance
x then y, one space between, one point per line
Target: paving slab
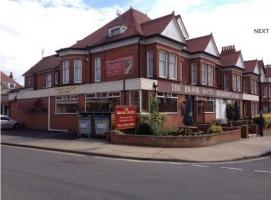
238 150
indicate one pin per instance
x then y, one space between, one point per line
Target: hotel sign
197 91
125 117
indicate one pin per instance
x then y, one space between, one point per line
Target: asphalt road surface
29 174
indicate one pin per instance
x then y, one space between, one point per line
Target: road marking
197 165
232 168
262 171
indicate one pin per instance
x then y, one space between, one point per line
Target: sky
30 27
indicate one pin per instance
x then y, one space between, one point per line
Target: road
29 174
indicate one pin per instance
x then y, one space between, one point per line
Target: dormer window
117 30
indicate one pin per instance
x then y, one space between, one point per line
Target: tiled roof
131 19
156 26
268 71
250 66
46 63
229 59
7 79
137 23
198 44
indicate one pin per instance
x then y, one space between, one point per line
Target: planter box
176 141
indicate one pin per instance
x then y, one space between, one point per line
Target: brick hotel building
122 61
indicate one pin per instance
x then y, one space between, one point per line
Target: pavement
66 142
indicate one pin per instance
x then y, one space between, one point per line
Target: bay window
238 83
163 64
245 86
77 71
67 104
226 82
234 82
98 68
48 80
210 75
65 72
204 74
208 106
194 73
167 102
172 66
149 64
254 86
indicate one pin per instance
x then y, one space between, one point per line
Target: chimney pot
11 75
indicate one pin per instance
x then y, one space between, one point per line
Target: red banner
119 67
125 117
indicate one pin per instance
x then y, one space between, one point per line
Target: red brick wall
30 119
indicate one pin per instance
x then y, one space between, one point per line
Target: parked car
7 123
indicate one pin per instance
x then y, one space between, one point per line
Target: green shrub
214 129
266 120
144 129
168 131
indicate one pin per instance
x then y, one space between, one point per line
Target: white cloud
27 27
231 22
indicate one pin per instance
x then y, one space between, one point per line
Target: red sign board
125 117
119 67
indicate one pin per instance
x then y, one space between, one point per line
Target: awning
31 105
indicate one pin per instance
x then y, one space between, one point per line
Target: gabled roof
137 23
7 79
229 57
46 63
157 25
268 71
203 44
198 44
131 19
251 66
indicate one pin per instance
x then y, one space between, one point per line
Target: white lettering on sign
194 90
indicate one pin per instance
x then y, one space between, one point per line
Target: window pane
210 76
172 66
194 73
145 101
167 104
208 106
163 64
97 69
66 71
78 71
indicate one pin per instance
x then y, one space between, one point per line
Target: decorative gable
182 27
257 69
173 31
240 62
212 48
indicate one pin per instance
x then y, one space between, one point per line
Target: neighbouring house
121 62
8 84
266 89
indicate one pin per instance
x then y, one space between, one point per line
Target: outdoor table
187 129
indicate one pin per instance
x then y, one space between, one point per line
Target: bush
144 129
168 131
214 129
266 120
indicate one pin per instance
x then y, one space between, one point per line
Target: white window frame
98 68
210 75
234 81
172 66
66 99
48 80
204 74
194 74
149 64
238 83
66 72
77 75
165 61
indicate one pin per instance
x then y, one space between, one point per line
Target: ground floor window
67 104
167 102
208 106
135 98
145 100
102 102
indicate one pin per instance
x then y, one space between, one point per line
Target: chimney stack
228 49
11 75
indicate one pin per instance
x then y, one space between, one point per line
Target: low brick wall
176 141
